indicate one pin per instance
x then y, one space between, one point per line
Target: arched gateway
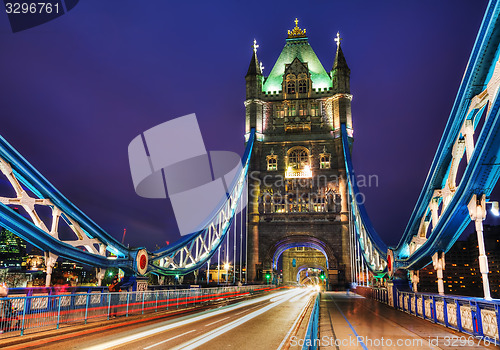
297 184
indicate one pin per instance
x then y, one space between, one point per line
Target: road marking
299 317
293 300
222 319
349 323
164 341
130 338
242 312
203 339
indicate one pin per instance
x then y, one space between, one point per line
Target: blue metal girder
39 238
41 187
480 177
190 239
473 82
379 245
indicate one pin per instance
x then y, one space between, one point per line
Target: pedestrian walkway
350 321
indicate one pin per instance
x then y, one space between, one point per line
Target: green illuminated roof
301 49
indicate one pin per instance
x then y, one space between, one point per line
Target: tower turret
341 100
340 71
253 102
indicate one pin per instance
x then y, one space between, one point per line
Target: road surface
265 322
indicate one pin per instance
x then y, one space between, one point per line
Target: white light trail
203 339
169 339
190 319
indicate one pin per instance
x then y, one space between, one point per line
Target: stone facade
297 188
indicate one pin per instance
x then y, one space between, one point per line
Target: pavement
350 321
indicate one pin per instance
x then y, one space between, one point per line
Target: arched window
272 161
324 159
302 86
290 83
272 164
324 162
298 158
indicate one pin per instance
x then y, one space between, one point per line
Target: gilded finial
296 32
338 39
255 46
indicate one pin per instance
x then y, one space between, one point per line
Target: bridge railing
311 339
473 316
30 314
379 294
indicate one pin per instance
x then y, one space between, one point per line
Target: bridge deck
344 317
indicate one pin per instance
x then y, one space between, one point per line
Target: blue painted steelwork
178 252
42 188
483 168
362 222
474 316
125 258
479 86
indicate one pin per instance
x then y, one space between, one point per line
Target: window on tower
298 158
324 162
314 109
302 86
279 111
324 159
290 83
272 161
303 108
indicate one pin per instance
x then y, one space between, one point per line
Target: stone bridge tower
297 187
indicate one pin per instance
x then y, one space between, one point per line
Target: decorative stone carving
452 314
490 324
466 316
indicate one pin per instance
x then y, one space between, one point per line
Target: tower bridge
297 174
291 215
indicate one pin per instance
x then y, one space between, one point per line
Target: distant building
12 250
461 274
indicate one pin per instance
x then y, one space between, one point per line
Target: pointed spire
255 66
340 71
340 61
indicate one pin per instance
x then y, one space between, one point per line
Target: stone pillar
253 221
99 273
438 263
344 217
50 261
415 279
477 212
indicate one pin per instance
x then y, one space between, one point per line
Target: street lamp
495 208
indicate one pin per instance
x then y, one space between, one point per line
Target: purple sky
75 91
